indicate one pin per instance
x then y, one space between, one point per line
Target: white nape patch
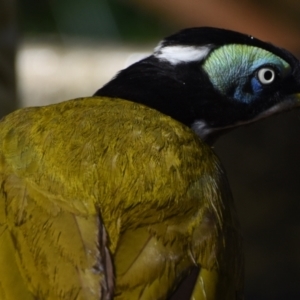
181 54
201 128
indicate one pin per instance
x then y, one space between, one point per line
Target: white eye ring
266 75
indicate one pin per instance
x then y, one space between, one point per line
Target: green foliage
99 19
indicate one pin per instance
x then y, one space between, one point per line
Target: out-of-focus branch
8 43
244 16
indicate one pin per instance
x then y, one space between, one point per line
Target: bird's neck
156 85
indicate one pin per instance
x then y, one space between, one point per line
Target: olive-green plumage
72 170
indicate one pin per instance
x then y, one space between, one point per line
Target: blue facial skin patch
256 86
232 68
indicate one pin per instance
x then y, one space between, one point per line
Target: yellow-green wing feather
69 168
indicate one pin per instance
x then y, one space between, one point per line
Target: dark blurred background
52 50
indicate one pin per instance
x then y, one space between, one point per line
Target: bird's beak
289 103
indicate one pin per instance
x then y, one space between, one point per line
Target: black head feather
186 92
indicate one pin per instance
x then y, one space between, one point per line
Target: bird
120 195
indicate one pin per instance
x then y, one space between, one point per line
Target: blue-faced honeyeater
120 195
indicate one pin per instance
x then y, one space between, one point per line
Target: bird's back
94 187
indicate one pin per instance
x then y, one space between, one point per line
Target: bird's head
212 80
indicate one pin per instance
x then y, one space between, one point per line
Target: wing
50 248
48 252
194 254
222 268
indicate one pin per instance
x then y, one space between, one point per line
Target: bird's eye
266 75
